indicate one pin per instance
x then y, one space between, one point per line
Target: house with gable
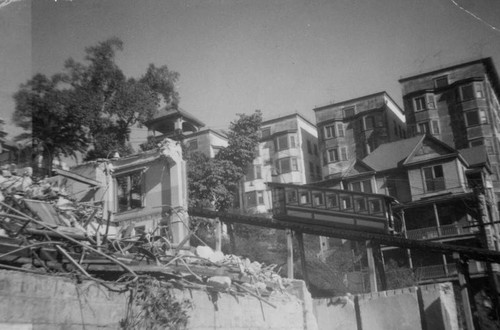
445 195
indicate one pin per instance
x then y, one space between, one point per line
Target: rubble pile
43 230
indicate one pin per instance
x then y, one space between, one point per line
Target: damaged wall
417 308
32 301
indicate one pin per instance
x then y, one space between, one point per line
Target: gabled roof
415 150
430 148
357 168
391 155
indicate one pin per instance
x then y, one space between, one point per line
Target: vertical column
371 267
462 269
300 240
289 249
178 190
218 235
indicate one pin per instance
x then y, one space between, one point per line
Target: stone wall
40 302
430 307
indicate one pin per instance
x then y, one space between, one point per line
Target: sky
236 56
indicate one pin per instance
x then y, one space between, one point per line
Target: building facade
207 141
352 129
288 152
445 195
459 105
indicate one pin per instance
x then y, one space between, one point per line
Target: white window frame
329 131
420 103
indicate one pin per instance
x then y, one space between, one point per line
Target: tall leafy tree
114 103
91 103
45 108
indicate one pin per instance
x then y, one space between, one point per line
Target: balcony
439 271
441 232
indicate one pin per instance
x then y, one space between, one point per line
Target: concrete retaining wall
29 301
430 307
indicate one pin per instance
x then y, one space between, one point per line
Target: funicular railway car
333 207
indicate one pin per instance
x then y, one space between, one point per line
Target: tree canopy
92 104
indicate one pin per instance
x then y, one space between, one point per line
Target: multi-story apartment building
288 153
352 129
446 195
459 105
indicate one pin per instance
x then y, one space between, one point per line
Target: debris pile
43 230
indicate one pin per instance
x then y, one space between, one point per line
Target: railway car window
360 205
375 206
304 197
345 202
331 201
291 197
318 199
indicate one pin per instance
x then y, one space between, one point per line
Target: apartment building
459 105
288 153
352 129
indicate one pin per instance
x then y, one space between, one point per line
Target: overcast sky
235 56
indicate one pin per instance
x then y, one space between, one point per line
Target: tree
92 104
114 103
45 108
214 182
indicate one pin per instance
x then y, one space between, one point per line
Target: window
349 111
475 117
369 122
266 132
260 197
362 186
340 129
434 178
441 81
282 142
286 165
311 169
254 198
423 128
329 131
292 141
130 191
318 171
343 153
435 127
309 147
475 143
332 155
193 145
479 90
466 92
315 149
253 173
419 103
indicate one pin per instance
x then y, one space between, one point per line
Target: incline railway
341 214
